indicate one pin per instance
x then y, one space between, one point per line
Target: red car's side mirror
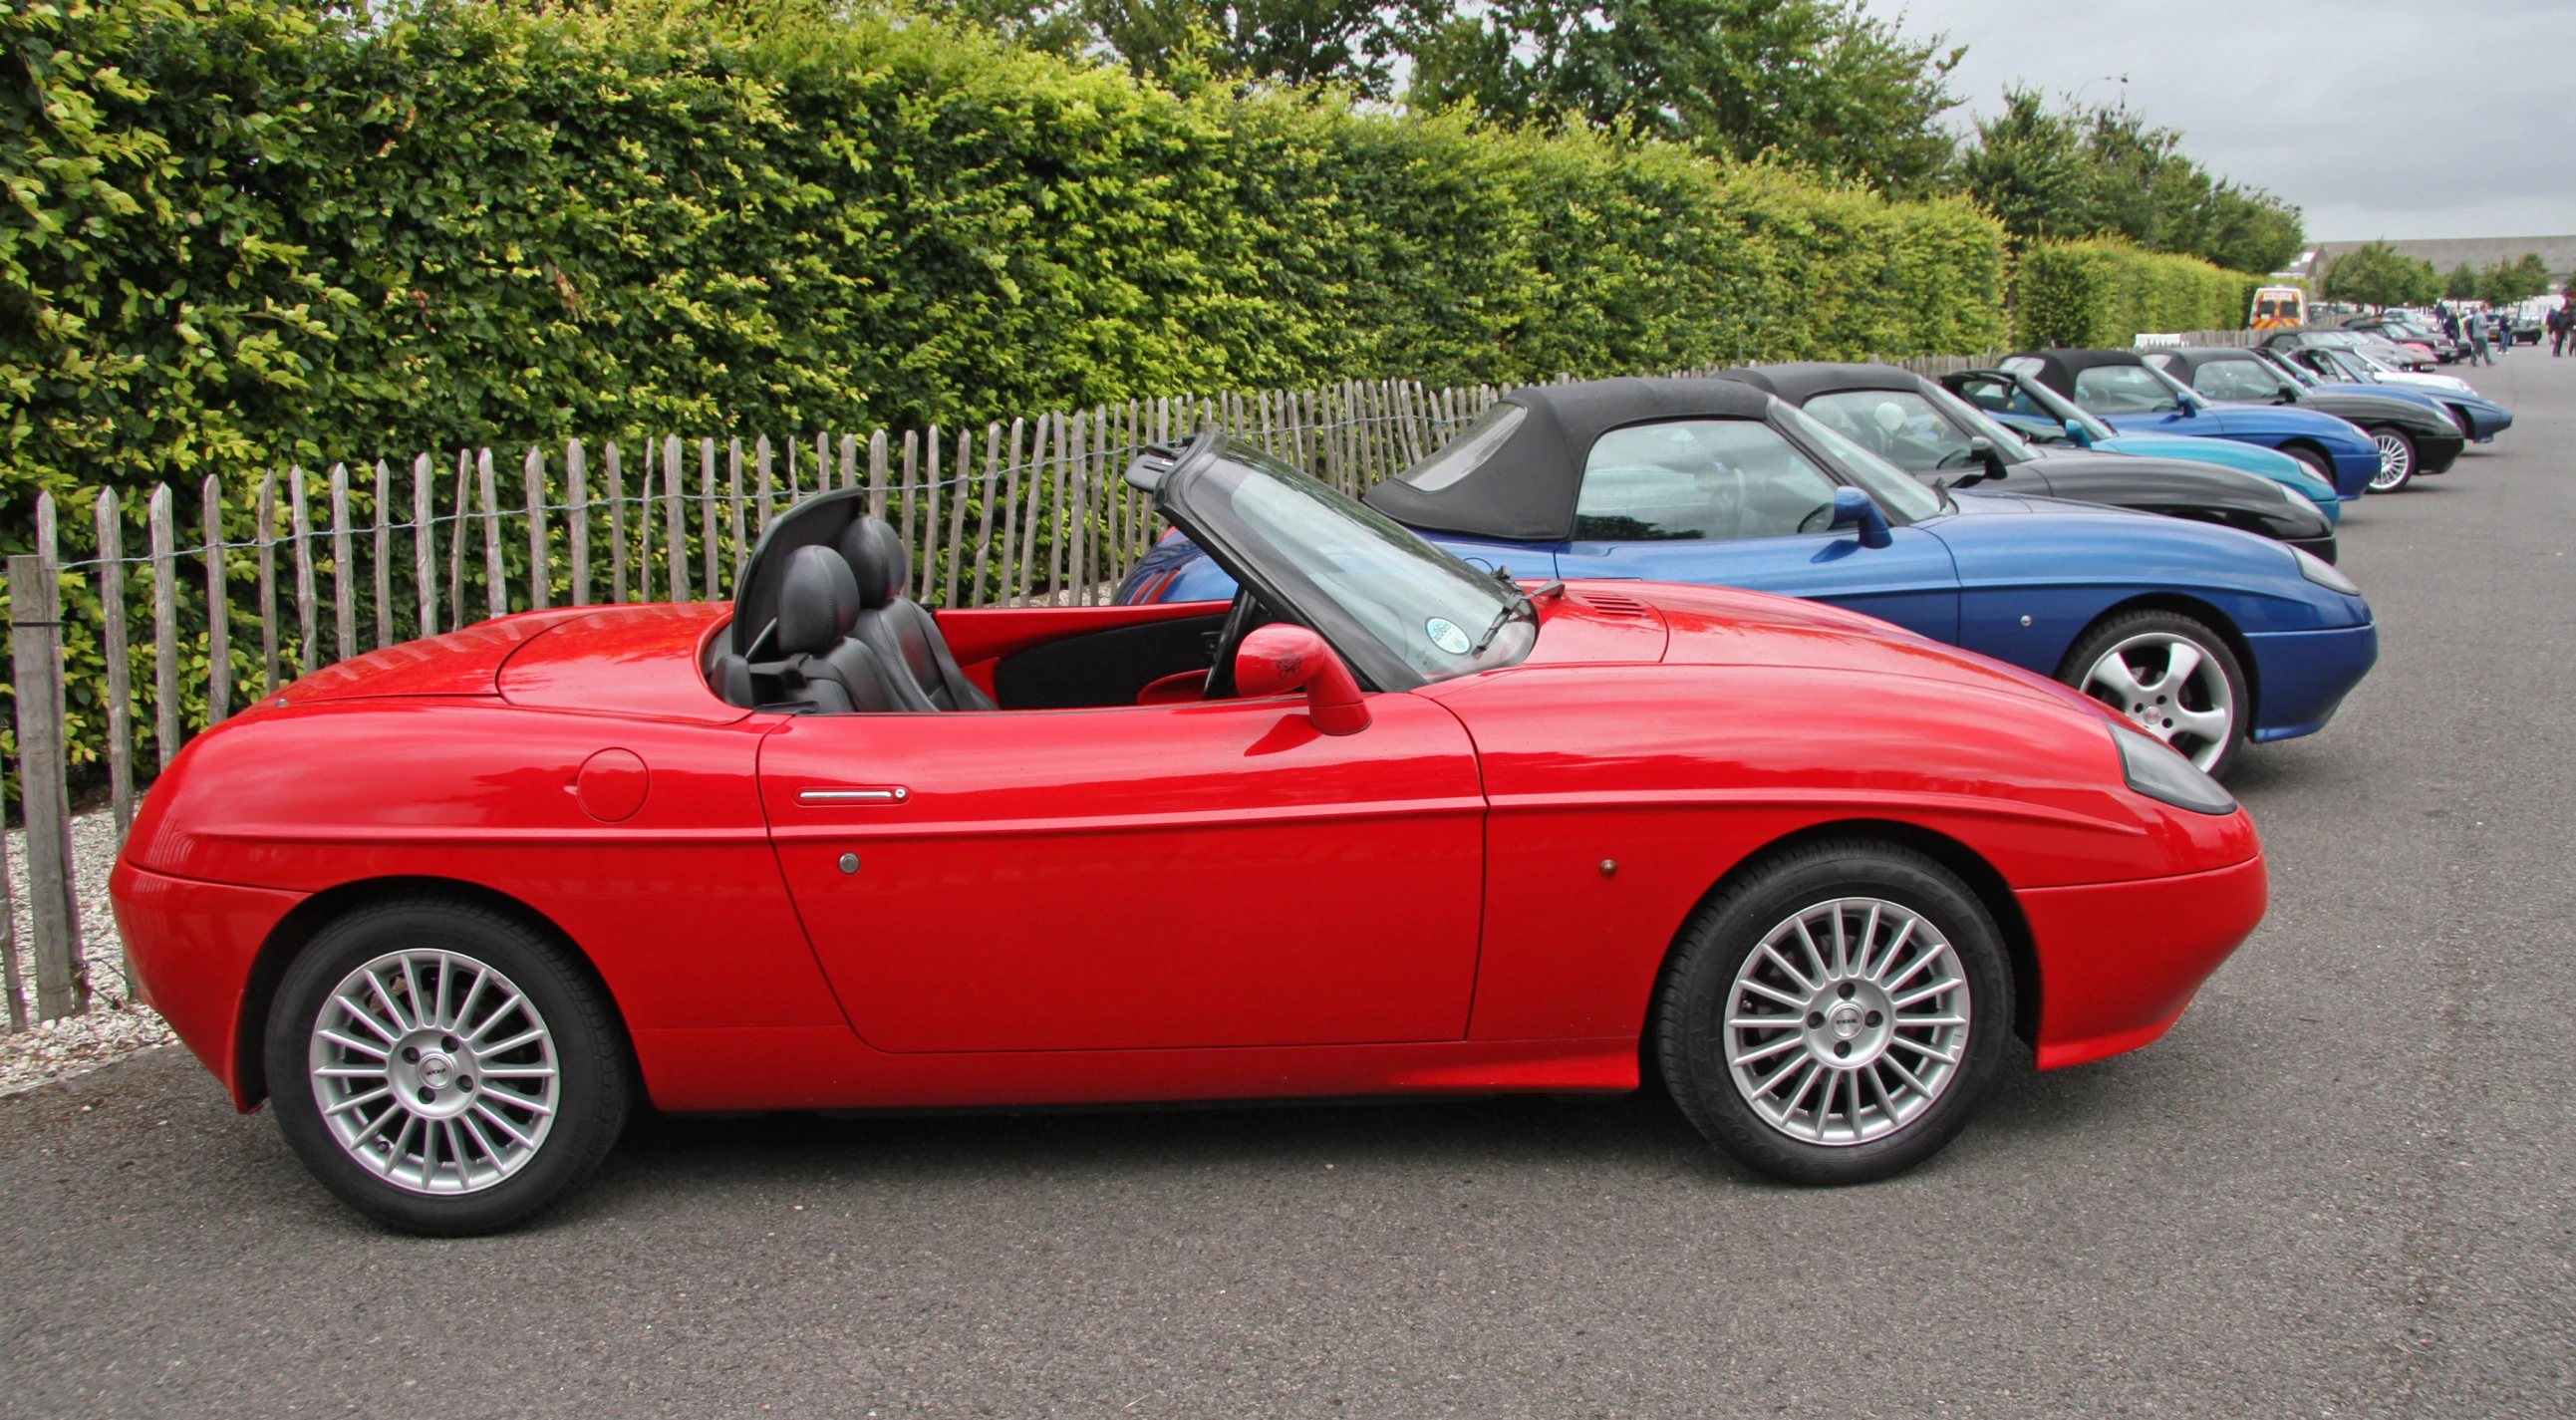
1279 658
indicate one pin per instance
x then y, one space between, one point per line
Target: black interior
1104 667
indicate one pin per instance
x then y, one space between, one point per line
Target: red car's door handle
825 797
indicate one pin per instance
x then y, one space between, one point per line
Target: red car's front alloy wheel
1833 1013
1848 1022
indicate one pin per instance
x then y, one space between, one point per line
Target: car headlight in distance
2159 771
2325 574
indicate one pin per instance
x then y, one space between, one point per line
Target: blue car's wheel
2172 677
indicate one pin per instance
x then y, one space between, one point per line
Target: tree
2377 274
1818 82
2461 284
2072 172
2509 283
1355 43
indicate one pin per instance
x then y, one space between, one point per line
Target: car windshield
2064 410
1967 416
1344 562
2125 389
1895 490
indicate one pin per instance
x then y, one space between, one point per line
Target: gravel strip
115 1026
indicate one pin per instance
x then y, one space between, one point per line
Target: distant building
2446 253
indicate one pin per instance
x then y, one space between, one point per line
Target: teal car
2046 418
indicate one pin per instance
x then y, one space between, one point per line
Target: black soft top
2058 368
1803 380
1525 490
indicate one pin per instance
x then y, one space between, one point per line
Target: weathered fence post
384 557
267 534
540 575
219 610
761 455
9 978
616 526
120 660
674 525
741 544
344 575
424 541
577 518
307 615
167 722
496 577
35 651
456 542
707 549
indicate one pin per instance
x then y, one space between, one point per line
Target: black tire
588 1058
1700 992
2316 463
2397 458
2145 627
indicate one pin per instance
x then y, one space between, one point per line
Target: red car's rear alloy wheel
444 1067
1833 1015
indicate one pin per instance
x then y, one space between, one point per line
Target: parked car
2120 387
453 907
2408 333
2379 347
2051 421
1931 433
2414 436
2480 416
1717 482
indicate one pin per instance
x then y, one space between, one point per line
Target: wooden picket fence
292 571
289 572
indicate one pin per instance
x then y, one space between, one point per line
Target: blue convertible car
2049 419
2204 636
2121 387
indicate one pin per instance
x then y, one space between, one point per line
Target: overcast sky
2394 118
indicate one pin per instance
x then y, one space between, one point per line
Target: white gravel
115 1025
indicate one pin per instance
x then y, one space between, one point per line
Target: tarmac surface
2344 1185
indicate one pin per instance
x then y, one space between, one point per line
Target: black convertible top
1803 380
2057 368
1525 490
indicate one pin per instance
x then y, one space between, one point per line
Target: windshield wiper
1519 605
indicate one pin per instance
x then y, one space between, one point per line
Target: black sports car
2413 437
1933 434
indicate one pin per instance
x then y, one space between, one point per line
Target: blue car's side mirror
2075 435
1853 508
2185 409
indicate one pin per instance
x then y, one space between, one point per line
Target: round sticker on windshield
1447 635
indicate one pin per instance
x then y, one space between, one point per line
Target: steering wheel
1821 520
1240 619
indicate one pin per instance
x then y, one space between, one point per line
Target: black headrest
876 556
818 602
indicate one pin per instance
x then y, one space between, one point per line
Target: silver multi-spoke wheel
2396 461
1848 1021
434 1071
2169 687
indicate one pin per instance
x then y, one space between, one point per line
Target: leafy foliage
2511 282
2105 293
2377 274
2069 173
1817 82
246 232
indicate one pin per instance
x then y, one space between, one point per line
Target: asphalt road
2344 1185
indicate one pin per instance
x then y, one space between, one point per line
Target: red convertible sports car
1382 825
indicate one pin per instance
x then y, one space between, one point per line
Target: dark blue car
2119 386
2205 636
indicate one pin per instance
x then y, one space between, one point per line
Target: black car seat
821 666
904 636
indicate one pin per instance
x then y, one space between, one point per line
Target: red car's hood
1687 624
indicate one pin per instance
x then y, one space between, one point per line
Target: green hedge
246 231
2105 293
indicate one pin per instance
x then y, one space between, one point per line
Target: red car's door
1144 876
